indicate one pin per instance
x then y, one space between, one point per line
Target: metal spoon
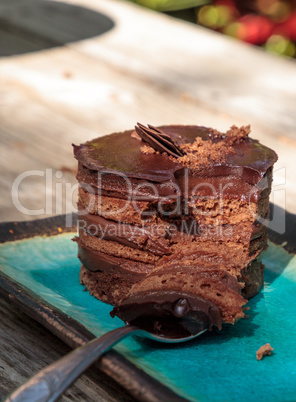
52 381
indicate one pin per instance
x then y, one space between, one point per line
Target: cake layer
120 186
189 230
216 286
116 249
104 286
144 245
158 238
152 238
184 185
234 256
113 287
112 208
208 211
253 277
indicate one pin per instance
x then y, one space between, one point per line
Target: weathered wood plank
29 347
172 73
215 69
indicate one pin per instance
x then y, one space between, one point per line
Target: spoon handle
52 381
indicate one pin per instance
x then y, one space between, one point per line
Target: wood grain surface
27 347
74 70
74 90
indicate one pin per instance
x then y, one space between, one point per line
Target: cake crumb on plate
264 351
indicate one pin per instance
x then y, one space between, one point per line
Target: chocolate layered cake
172 221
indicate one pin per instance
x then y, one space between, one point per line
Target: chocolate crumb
201 154
234 135
264 350
145 149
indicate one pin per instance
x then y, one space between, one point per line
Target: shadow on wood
37 25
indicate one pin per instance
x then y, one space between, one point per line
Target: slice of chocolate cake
170 214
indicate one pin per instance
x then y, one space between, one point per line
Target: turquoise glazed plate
40 274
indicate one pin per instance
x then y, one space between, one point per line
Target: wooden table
76 70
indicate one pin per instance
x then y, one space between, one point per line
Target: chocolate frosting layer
120 152
171 314
112 185
96 261
128 235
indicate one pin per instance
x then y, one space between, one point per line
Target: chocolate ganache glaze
170 314
108 155
250 161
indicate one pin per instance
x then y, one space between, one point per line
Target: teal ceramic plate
218 366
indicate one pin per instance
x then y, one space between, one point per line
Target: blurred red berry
287 28
255 29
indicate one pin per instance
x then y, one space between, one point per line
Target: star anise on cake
159 140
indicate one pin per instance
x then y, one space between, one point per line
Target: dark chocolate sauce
96 261
171 314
